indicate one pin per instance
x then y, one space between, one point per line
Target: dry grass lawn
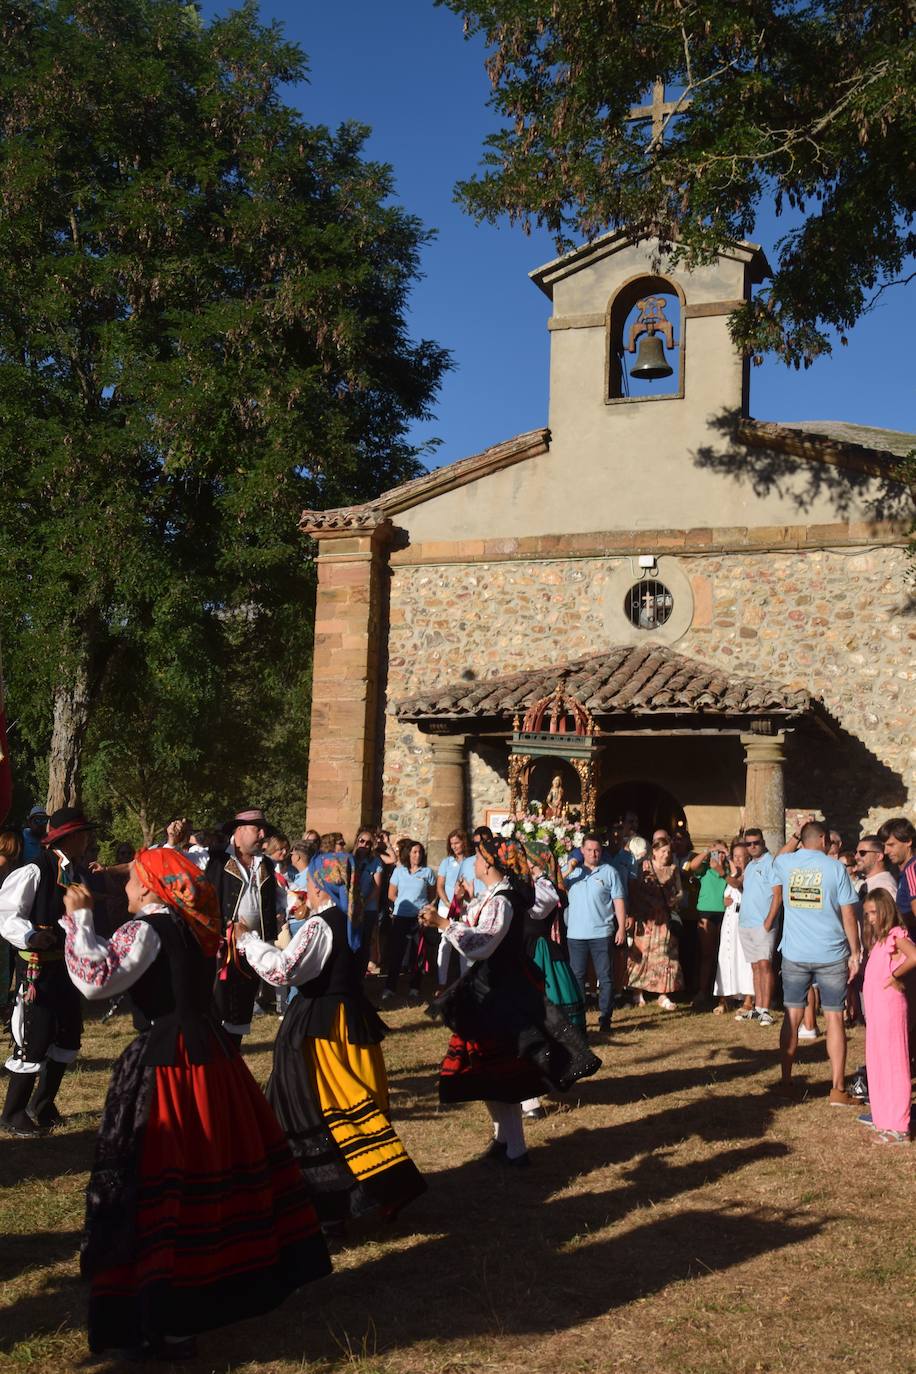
678 1219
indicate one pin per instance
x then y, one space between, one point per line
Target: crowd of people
210 1200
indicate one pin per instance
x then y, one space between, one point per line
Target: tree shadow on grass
522 1253
35 1249
59 1306
714 1117
498 1252
48 1156
617 1090
516 1259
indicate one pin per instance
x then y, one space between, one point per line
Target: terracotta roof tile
643 679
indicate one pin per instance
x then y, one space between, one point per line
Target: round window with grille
648 604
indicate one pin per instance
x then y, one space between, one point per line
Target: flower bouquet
561 834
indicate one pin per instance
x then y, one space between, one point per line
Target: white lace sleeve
304 957
546 900
105 968
481 940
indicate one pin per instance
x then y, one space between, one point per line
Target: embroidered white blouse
303 959
484 925
105 968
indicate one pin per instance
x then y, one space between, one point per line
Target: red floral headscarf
179 883
513 858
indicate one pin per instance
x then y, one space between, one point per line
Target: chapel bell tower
641 348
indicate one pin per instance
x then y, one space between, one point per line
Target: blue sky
404 68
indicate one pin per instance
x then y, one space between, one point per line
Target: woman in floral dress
654 898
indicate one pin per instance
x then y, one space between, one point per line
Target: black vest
229 887
341 975
510 952
315 1010
175 993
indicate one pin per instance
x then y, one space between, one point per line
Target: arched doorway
656 808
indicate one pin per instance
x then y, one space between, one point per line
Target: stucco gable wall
649 482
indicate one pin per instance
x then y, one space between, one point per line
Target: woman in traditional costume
197 1214
655 897
545 944
545 934
507 1043
329 1087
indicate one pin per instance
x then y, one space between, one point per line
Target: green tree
202 332
808 106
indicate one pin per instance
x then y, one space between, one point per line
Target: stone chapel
675 608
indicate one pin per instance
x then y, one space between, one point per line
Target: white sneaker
666 1004
806 1033
764 1018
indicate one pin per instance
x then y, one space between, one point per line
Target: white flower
507 829
528 828
578 837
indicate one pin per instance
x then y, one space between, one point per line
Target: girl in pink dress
891 956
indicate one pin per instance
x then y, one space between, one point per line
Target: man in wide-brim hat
249 899
47 1018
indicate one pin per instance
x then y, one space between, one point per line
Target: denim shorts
831 980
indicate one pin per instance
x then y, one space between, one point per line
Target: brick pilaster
347 678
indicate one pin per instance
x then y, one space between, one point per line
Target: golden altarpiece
558 728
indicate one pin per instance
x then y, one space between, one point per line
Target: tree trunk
147 827
68 734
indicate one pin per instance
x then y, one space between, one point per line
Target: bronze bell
650 359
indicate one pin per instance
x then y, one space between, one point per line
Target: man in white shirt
47 1018
871 870
249 899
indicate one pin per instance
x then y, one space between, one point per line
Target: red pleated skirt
487 1070
223 1226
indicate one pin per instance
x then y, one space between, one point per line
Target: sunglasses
754 844
860 852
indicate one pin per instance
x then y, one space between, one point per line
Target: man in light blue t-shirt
596 914
820 944
757 943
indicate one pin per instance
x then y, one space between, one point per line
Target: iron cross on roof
659 110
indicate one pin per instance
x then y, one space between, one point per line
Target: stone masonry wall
835 622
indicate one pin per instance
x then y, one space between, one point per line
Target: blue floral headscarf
336 875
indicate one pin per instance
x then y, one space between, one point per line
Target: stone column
449 791
765 798
347 678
